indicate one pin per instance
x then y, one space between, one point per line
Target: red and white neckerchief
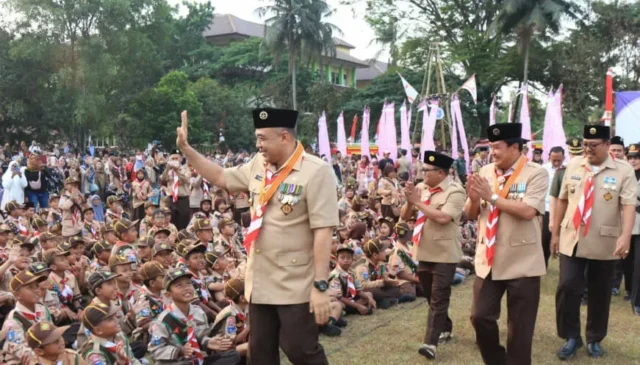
351 286
492 218
205 186
191 334
65 290
33 317
582 214
113 348
22 228
417 229
198 280
175 186
91 229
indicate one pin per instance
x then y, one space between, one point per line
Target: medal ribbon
494 213
266 193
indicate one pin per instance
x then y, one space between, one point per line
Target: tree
296 27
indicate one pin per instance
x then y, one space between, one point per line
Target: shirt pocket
610 231
526 236
293 258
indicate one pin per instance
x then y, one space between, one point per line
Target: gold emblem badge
608 196
264 115
592 131
575 142
572 189
44 326
286 209
632 148
496 132
483 204
431 158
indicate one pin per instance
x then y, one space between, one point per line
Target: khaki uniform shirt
183 176
518 247
69 357
231 248
476 165
371 276
15 349
339 283
403 165
280 268
606 218
68 228
441 243
141 190
389 190
84 334
95 351
165 346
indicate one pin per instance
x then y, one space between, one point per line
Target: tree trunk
292 70
527 46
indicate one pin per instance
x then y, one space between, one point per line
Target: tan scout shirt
388 189
518 247
280 269
441 243
183 177
606 217
69 357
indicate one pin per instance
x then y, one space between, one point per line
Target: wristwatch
321 285
493 199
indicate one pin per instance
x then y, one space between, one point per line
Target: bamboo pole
425 89
443 87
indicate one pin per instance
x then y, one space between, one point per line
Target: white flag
470 86
412 94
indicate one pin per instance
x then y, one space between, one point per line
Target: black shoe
342 323
636 310
445 337
383 304
584 301
570 348
428 351
405 298
393 301
627 297
615 292
594 349
330 330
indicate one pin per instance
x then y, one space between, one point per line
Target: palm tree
526 17
298 27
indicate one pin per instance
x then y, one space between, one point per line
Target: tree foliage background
126 68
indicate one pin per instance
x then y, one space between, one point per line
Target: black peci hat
597 132
505 132
274 118
437 159
617 140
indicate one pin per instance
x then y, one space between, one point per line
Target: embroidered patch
96 359
576 177
608 196
258 177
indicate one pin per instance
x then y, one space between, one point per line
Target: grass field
393 336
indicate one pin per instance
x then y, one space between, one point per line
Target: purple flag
389 135
405 120
628 115
457 127
428 127
364 137
342 137
525 119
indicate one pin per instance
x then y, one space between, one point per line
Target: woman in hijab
98 209
13 182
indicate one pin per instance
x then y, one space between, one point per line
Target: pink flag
510 116
342 137
405 139
364 138
470 86
525 119
492 112
408 89
389 134
458 128
560 138
549 131
428 127
324 148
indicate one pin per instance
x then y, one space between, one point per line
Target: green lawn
393 336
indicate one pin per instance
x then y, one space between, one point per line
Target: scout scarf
351 286
501 186
270 185
417 230
191 335
205 186
112 347
64 292
90 228
176 185
201 289
583 210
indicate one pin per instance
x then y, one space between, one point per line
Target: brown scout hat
373 247
94 314
160 247
184 235
173 275
38 268
75 240
53 197
633 150
151 270
149 204
112 199
224 222
72 180
156 231
212 257
25 277
206 198
49 254
100 276
116 260
196 246
44 333
347 246
46 236
100 246
123 225
203 224
4 228
13 205
38 222
107 227
234 288
401 229
146 241
22 241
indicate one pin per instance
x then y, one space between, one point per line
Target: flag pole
443 87
426 80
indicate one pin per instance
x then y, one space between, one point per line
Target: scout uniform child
176 176
204 213
346 288
160 222
108 234
63 281
127 234
152 292
127 291
55 214
217 266
16 258
145 246
49 297
508 194
147 222
47 241
4 239
101 254
591 241
228 242
343 233
27 312
162 253
91 228
15 220
232 321
436 239
374 277
39 226
194 257
106 345
180 334
71 205
114 209
204 232
78 261
46 341
401 263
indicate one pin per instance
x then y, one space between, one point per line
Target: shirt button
257 251
294 261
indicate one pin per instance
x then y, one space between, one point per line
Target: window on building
335 78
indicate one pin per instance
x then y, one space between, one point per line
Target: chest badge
608 196
286 209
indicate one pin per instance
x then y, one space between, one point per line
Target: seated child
108 234
374 277
217 266
152 293
194 257
162 252
401 264
233 321
180 334
101 254
145 244
346 287
46 341
63 281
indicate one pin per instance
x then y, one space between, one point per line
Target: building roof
375 69
227 24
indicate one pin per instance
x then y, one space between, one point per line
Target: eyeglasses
428 170
591 145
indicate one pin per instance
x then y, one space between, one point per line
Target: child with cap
127 290
7 271
63 281
78 262
108 234
47 241
162 253
345 286
194 258
145 246
180 334
101 253
91 228
49 297
46 341
205 212
401 263
55 214
204 232
233 321
228 241
18 260
162 221
106 345
15 218
152 293
161 235
217 266
71 204
126 232
147 222
114 209
5 230
39 226
374 277
27 312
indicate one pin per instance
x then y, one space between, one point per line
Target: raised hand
183 131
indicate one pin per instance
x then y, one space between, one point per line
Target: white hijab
13 186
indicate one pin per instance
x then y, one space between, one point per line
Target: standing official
506 197
632 262
176 177
594 183
556 158
294 209
436 239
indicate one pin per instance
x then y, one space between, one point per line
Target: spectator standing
13 182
